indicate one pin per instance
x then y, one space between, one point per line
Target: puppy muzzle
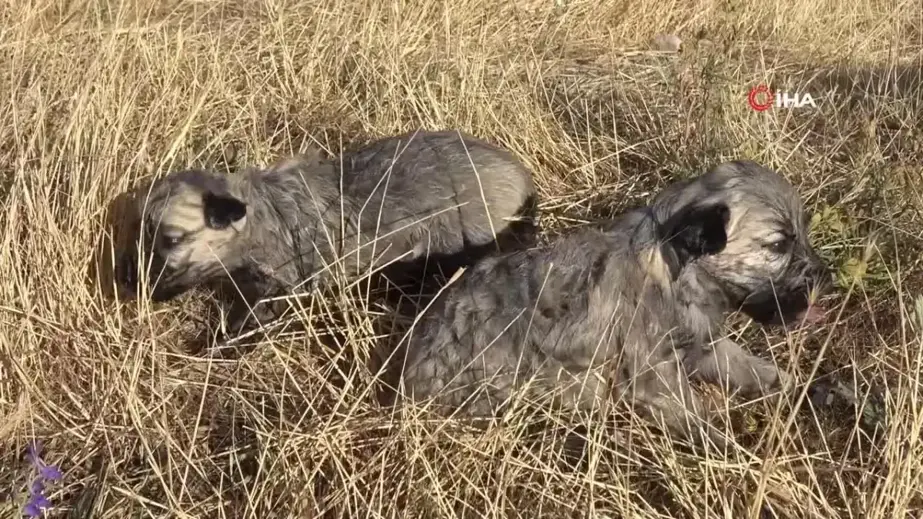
793 298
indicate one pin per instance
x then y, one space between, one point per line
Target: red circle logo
758 92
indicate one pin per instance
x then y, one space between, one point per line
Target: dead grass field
101 95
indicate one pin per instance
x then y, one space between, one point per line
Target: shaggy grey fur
633 308
405 199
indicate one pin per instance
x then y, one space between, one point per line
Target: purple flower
37 500
32 510
33 455
50 473
40 502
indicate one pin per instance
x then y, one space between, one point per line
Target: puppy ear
694 232
222 211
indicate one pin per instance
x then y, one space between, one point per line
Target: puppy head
768 267
189 228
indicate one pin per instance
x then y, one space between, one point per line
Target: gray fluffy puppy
633 309
411 198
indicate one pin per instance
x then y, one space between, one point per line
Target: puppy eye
779 246
171 241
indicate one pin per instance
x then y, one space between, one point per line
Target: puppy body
635 307
593 313
403 198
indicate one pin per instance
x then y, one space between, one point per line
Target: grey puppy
633 309
407 199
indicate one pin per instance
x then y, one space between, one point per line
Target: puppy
627 310
769 270
441 196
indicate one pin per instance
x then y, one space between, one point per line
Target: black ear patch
222 210
694 232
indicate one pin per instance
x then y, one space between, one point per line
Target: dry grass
102 95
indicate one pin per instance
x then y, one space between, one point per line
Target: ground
101 96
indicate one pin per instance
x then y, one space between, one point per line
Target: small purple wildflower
40 501
50 473
37 500
38 486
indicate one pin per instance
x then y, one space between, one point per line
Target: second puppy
630 309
